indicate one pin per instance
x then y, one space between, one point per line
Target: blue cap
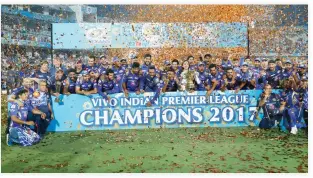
264 59
200 63
167 62
84 72
245 64
301 66
257 59
288 61
115 59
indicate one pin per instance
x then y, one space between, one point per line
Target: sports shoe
9 142
294 130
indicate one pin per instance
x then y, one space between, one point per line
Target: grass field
214 150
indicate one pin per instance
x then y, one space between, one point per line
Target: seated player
18 131
108 85
42 104
85 86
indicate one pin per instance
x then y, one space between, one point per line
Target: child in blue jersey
131 80
18 132
69 84
42 103
85 86
108 85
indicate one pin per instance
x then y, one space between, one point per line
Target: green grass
229 150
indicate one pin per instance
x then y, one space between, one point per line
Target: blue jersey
89 68
272 78
246 77
145 68
232 86
271 106
172 86
41 102
108 86
291 98
132 82
119 73
204 81
20 112
218 77
193 67
102 70
86 85
286 74
71 86
40 75
150 84
226 64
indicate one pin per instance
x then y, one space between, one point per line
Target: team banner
148 35
171 110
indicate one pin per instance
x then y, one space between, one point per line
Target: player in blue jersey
231 81
171 82
151 83
246 78
131 80
192 64
147 63
92 65
108 85
292 107
287 71
42 103
177 69
69 84
215 78
104 65
79 68
272 75
271 105
42 73
225 60
18 131
85 86
203 77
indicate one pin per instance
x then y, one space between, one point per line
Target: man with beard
108 85
232 80
69 84
85 86
287 72
215 78
162 73
147 64
272 75
131 80
302 72
151 83
171 82
177 69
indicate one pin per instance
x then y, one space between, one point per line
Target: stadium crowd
30 98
